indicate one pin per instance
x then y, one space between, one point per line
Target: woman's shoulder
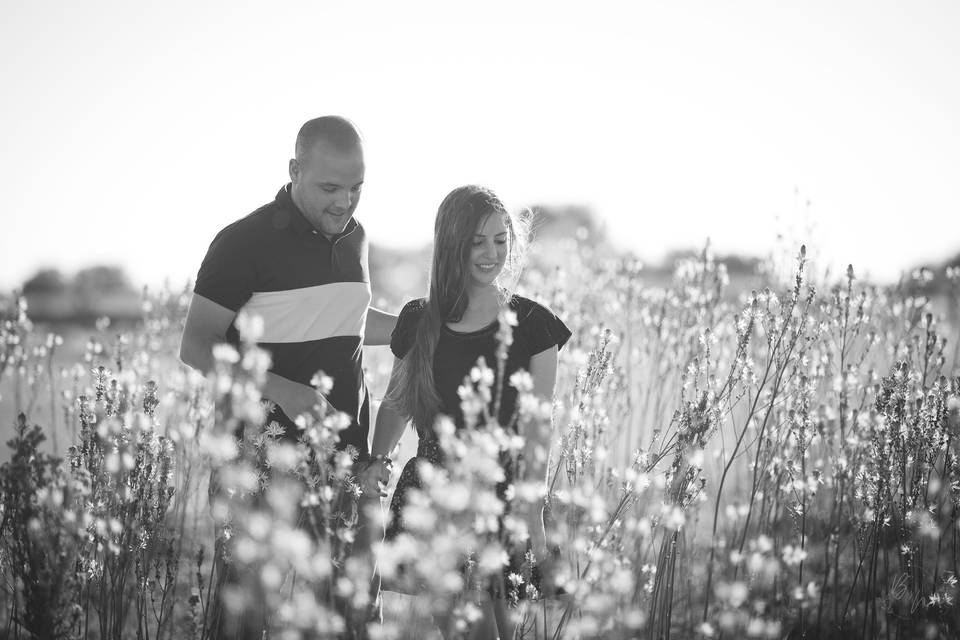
410 314
406 328
528 309
414 307
538 327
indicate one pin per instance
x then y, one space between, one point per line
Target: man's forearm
379 327
198 354
294 398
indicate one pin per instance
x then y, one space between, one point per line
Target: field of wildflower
775 462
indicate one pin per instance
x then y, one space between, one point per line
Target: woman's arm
543 371
390 424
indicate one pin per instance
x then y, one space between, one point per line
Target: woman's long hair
461 213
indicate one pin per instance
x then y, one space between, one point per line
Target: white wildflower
249 326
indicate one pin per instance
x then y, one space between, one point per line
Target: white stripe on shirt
312 313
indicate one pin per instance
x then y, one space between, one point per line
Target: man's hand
294 398
374 477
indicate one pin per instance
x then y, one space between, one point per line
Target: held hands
374 477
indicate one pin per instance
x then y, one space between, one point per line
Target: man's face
326 186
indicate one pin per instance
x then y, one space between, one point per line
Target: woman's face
488 251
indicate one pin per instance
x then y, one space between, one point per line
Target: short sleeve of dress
405 331
227 272
541 329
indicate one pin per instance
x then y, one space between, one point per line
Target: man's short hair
336 131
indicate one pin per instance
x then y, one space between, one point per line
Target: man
300 262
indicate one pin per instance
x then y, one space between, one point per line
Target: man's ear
294 170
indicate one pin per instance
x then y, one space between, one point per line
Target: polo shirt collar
299 222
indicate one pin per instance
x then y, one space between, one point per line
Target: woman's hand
374 477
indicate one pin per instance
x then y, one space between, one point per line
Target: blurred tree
740 265
735 263
102 279
104 290
45 281
557 230
937 283
576 222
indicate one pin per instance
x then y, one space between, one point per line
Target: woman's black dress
537 330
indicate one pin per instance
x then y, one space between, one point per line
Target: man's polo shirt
312 293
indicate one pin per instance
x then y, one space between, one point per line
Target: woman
437 340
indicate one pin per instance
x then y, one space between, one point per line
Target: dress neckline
475 332
513 304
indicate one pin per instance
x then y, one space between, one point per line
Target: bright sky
131 134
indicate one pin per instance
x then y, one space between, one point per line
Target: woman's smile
489 248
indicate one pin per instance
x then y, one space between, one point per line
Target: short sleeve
406 330
541 329
227 272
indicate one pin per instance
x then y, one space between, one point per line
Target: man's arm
379 327
206 325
